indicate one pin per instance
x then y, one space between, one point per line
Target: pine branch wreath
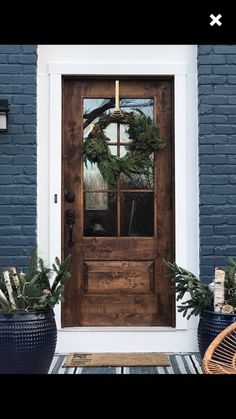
144 140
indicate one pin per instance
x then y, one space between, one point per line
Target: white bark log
3 298
219 290
7 281
16 280
211 286
227 308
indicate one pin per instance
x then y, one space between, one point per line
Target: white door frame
186 178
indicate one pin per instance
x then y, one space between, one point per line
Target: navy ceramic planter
210 325
27 342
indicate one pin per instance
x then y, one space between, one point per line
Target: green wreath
144 140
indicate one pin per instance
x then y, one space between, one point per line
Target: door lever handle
71 242
70 221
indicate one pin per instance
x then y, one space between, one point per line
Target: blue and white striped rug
188 363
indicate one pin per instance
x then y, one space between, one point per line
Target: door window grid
119 192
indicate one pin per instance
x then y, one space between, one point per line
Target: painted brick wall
217 155
18 155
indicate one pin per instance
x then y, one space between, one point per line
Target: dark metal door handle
70 220
71 242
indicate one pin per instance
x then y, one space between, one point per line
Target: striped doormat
187 363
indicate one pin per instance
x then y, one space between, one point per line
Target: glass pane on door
137 211
110 210
100 210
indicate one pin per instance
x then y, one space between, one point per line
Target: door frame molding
186 184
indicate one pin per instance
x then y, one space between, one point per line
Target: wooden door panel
118 281
118 276
121 248
120 310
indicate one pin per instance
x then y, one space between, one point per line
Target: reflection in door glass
100 217
92 177
113 149
137 213
111 132
94 108
137 181
123 133
143 105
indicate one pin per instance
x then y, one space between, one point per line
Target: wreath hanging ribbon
144 139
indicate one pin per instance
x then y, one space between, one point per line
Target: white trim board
113 68
186 194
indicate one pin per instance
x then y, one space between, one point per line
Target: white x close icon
215 20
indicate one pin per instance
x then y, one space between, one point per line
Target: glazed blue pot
27 342
210 325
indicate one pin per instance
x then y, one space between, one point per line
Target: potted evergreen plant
28 332
215 303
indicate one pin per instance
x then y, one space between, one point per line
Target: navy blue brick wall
217 155
18 68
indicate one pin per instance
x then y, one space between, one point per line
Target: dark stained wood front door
121 234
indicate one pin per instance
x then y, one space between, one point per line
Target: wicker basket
220 357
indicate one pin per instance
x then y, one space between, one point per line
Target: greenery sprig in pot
200 300
28 332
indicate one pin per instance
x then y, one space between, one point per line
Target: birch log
3 299
7 281
16 280
219 290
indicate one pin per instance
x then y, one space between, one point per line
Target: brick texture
217 161
18 68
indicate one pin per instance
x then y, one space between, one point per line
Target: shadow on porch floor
181 363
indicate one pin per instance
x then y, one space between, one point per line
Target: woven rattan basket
220 357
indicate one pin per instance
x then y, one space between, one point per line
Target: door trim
186 183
